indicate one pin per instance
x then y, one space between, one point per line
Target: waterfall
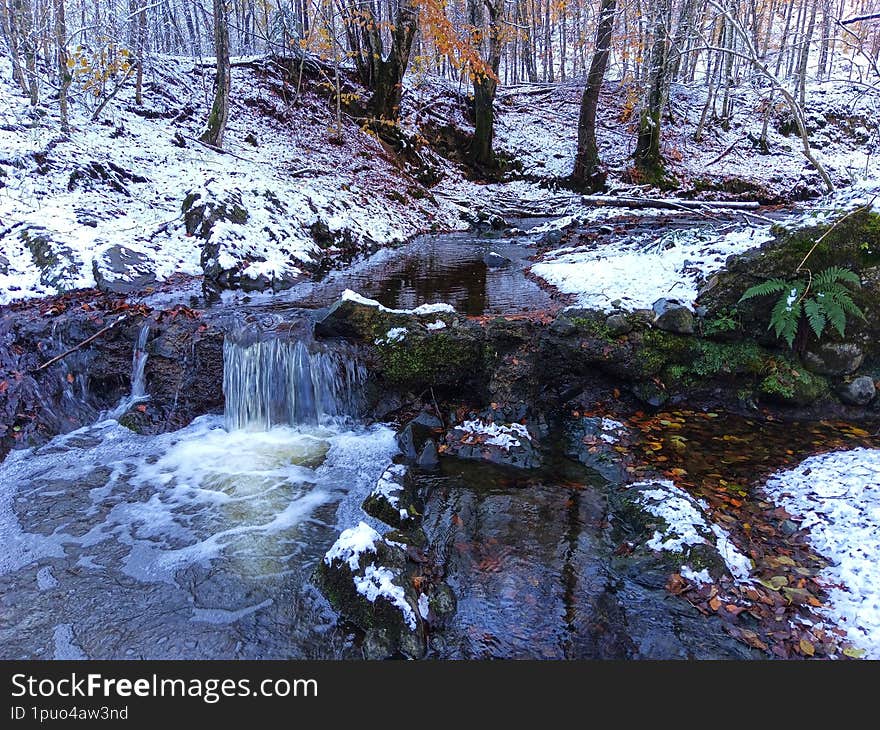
138 392
280 382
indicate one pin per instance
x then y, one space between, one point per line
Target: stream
201 543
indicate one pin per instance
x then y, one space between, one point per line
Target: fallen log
675 203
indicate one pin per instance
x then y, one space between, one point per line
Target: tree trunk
382 73
10 30
25 21
647 155
486 84
141 42
588 171
216 126
63 70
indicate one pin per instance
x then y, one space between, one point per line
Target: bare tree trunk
63 70
140 48
23 11
588 173
10 30
647 155
486 84
216 126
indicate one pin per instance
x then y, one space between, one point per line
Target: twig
217 149
81 344
824 235
726 152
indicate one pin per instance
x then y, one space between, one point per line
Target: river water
201 543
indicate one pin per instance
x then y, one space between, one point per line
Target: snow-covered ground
290 182
636 272
536 124
837 498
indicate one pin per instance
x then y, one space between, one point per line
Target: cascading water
138 392
279 382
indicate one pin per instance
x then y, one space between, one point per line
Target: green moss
438 359
788 383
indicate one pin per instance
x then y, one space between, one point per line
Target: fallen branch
726 152
81 344
674 203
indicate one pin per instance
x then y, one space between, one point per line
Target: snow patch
425 309
507 436
837 497
351 544
686 526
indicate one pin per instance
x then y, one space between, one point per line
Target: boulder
392 499
506 444
496 260
833 358
59 265
673 316
413 438
366 579
121 270
858 392
618 324
429 459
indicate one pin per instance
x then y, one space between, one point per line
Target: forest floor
106 202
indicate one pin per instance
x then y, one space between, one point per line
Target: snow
438 325
610 428
396 334
837 498
390 489
634 273
697 577
423 310
378 583
686 526
507 436
351 544
291 182
423 605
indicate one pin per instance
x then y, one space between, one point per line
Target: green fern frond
815 316
765 288
835 274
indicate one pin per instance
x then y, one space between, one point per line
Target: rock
833 358
496 260
618 324
201 212
59 266
673 316
120 270
507 444
552 238
650 394
366 579
442 601
428 458
251 139
392 499
645 317
414 437
4 265
858 392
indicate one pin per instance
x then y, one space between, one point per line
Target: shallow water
194 544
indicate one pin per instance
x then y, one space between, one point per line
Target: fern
824 301
771 286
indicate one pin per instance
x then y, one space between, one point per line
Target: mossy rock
791 384
445 359
853 243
